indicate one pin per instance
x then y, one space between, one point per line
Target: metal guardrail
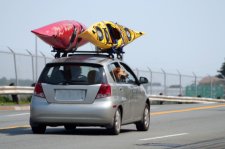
5 90
184 99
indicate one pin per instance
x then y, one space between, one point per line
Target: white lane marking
161 137
12 115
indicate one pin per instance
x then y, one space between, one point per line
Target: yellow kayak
107 35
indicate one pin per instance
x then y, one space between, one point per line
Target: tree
221 71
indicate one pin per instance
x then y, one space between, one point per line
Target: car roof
85 58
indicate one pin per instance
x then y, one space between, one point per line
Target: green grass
7 101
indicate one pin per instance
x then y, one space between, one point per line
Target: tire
39 129
144 124
115 129
69 127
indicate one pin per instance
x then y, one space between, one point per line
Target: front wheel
115 129
143 125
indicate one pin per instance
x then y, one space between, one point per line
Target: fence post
15 67
196 87
150 80
164 73
32 60
211 85
180 83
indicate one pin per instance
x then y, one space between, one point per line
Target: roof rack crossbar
96 52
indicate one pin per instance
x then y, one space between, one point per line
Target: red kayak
62 35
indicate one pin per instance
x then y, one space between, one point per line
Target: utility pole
36 55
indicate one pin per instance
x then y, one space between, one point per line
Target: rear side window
73 74
121 73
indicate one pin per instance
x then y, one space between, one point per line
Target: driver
76 73
73 73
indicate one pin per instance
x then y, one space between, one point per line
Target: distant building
213 80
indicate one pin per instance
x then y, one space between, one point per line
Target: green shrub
7 100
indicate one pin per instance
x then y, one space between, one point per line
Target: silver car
83 90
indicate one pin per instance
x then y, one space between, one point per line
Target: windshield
73 74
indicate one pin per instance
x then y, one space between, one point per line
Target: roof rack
119 52
96 53
91 52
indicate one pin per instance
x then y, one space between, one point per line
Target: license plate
71 95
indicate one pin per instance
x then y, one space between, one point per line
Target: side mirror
143 80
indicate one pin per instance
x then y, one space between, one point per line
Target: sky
180 35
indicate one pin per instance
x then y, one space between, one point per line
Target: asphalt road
182 126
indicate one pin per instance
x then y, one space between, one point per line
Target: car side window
121 73
112 67
130 78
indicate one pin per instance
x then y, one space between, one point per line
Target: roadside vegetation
7 100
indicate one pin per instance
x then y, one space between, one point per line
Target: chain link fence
177 84
20 69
